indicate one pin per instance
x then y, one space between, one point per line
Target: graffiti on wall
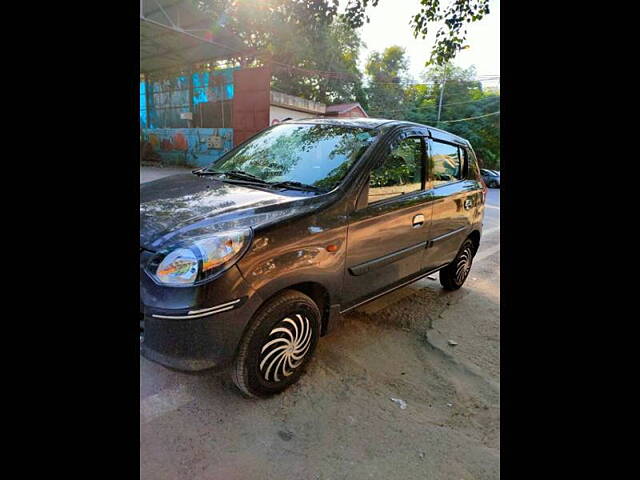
195 147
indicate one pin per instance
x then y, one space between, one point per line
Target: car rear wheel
278 345
453 276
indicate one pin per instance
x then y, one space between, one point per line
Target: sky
389 25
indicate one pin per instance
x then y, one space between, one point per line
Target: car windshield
316 155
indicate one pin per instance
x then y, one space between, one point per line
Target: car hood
180 206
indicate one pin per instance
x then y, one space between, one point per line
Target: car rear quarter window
445 163
400 173
473 169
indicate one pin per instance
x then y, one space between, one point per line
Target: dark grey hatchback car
247 263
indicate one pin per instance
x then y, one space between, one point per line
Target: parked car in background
491 177
245 264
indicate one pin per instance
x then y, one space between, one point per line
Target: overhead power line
321 73
400 84
472 101
433 106
470 118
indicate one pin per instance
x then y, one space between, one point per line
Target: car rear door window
445 163
400 173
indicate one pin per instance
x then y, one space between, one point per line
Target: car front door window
400 173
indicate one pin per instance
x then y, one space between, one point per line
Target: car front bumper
197 328
194 344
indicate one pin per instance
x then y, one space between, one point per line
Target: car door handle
418 221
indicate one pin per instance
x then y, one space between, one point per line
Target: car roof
371 123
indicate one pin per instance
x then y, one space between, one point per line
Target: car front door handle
418 221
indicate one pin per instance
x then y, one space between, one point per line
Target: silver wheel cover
464 265
285 347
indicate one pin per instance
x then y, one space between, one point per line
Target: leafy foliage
462 97
307 34
314 154
386 73
449 38
311 35
400 166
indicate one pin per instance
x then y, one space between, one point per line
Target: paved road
339 421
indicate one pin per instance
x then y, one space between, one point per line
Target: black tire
273 345
453 276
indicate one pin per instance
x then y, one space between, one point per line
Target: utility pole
444 79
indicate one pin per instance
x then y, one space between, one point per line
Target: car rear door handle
418 221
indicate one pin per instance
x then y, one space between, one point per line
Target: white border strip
205 312
162 403
193 312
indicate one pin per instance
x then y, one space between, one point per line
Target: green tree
306 34
462 98
336 49
450 37
387 75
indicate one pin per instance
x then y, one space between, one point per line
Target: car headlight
197 260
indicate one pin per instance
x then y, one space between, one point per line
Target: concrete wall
278 114
250 108
193 147
166 99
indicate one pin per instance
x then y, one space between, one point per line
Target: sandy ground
339 421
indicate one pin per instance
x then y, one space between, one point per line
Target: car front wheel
278 345
453 276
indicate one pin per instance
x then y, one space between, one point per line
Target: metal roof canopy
172 37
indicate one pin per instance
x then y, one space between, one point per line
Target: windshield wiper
233 174
297 186
248 177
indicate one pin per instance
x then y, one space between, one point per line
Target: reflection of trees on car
400 173
333 177
400 167
444 167
275 155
